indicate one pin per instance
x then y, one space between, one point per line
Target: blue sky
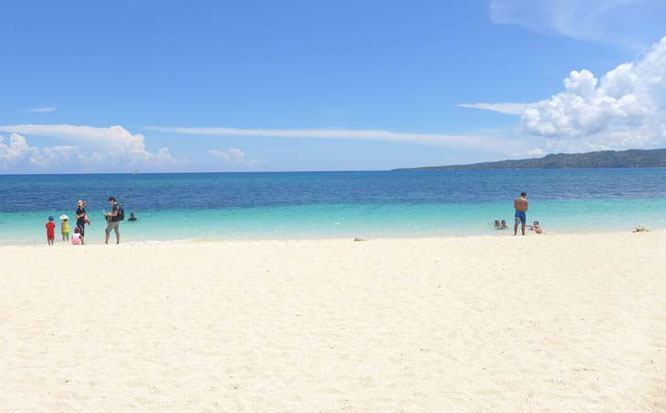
324 85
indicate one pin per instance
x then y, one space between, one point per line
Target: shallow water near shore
335 204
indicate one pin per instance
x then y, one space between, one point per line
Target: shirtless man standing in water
520 204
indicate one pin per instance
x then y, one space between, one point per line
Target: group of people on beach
520 204
113 220
117 215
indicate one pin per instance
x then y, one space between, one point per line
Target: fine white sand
536 323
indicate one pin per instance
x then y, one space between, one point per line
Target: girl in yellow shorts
64 227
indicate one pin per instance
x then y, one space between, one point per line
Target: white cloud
52 156
625 108
114 138
234 158
506 108
92 147
14 151
230 155
42 109
629 23
462 141
17 152
536 152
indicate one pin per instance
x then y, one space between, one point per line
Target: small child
64 227
76 237
536 227
50 231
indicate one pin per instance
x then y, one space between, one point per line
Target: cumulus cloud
603 21
52 156
90 147
42 109
462 141
233 158
115 138
625 108
15 150
230 155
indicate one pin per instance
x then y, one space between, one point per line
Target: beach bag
121 213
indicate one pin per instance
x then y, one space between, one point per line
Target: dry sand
540 323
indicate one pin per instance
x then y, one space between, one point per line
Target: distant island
634 158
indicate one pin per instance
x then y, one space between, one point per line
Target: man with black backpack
113 219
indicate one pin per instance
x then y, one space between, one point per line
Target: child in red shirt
50 231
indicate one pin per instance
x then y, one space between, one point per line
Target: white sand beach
536 323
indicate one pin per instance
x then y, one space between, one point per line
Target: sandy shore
537 323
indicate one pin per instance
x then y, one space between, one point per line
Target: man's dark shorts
521 217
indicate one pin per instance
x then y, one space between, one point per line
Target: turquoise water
336 204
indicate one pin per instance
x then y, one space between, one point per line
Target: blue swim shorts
521 217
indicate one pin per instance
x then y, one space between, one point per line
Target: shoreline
194 241
382 220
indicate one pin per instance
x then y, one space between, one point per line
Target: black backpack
121 213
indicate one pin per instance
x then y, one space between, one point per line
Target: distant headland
634 158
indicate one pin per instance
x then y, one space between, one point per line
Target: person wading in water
113 219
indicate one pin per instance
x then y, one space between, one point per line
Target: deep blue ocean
206 206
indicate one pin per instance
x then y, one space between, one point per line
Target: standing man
113 219
81 219
520 204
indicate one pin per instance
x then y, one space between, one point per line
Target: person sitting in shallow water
132 217
497 224
503 225
536 227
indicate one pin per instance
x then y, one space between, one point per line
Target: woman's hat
79 202
64 217
51 218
